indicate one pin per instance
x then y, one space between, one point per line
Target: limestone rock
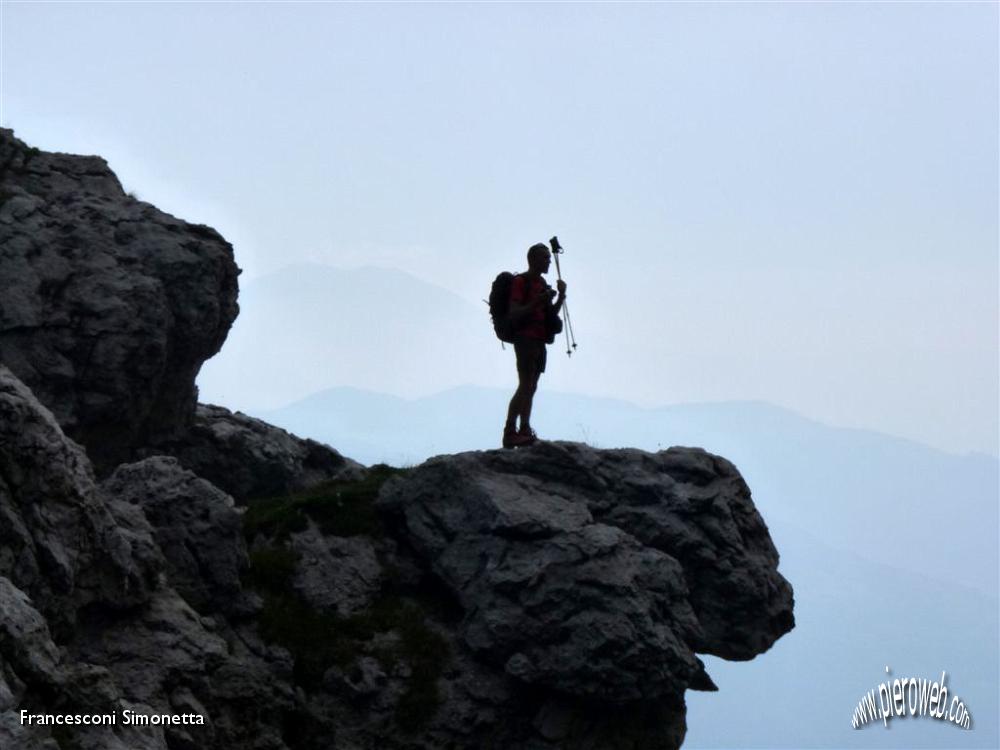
31 660
108 306
338 574
58 541
696 507
249 458
195 525
162 644
597 573
25 643
579 586
364 680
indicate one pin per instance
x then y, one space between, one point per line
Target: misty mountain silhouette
308 326
853 618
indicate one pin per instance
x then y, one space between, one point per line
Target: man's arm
557 305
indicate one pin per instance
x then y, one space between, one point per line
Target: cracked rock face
194 524
29 657
59 541
339 574
598 573
108 306
579 587
90 619
249 458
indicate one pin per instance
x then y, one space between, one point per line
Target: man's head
539 258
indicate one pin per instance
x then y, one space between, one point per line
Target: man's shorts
530 356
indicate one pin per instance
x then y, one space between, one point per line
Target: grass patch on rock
338 508
271 568
319 640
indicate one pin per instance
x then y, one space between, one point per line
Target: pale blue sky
788 202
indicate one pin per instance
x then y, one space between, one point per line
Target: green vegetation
271 568
338 508
318 640
427 653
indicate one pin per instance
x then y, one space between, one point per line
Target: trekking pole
567 325
556 251
568 329
565 313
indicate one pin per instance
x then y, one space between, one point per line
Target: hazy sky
789 202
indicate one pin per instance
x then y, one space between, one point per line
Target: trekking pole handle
556 252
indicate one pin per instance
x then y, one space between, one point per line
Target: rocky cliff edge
173 559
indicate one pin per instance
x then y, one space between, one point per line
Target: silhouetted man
531 302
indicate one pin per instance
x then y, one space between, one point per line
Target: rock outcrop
249 458
108 306
553 598
195 525
598 573
59 542
548 598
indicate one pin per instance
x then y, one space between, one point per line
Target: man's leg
530 386
526 402
513 409
526 380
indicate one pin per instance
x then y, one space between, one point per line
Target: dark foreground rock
193 522
544 599
60 542
249 458
108 306
598 573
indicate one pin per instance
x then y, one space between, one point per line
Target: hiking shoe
516 440
530 434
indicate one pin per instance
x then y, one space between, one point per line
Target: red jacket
533 326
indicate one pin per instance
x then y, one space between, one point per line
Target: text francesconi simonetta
128 718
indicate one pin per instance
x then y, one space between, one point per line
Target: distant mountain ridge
306 327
